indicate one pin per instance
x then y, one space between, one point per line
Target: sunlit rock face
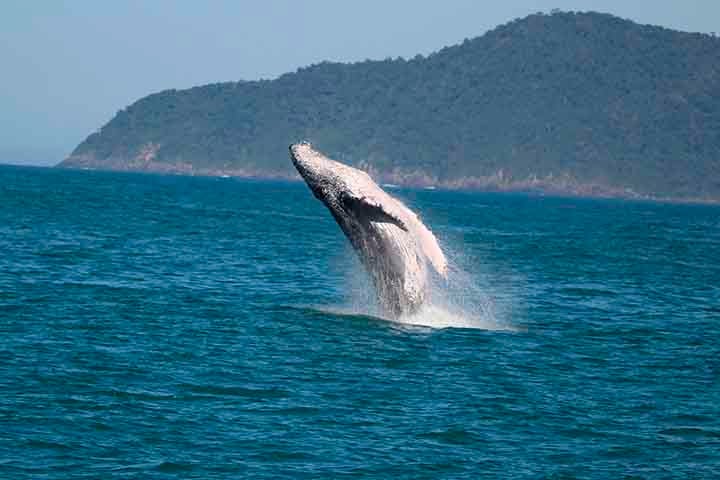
393 244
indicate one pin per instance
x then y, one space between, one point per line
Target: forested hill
581 103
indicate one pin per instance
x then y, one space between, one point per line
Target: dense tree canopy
585 96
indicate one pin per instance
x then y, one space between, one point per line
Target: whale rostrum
393 244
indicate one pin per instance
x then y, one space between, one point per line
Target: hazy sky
68 66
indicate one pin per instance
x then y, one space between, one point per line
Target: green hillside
572 102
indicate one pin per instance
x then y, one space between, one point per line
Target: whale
396 248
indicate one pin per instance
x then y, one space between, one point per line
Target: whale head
330 181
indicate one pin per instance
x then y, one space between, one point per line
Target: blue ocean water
159 327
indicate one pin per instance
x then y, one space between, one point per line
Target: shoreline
553 186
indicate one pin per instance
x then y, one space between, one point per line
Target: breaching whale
393 244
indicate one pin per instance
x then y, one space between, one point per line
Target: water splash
438 317
464 300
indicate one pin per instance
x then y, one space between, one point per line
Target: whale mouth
305 160
295 157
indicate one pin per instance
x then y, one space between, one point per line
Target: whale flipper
430 247
372 210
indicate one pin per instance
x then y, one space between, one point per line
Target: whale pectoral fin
371 210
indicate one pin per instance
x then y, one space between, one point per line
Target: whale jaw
393 244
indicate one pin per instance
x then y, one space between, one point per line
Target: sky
68 66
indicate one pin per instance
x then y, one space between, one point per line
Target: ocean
163 327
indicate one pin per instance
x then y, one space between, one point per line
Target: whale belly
398 270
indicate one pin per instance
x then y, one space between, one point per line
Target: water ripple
169 327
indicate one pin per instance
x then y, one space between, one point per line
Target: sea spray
464 300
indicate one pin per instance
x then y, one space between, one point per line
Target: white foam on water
464 300
460 302
434 316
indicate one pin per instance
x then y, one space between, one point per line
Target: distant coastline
561 185
583 104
